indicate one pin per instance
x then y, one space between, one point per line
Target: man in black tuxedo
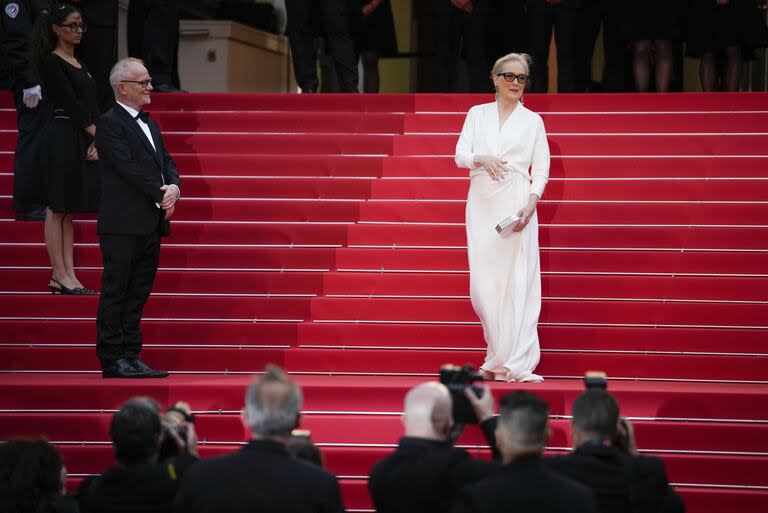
426 471
139 190
262 476
524 483
605 459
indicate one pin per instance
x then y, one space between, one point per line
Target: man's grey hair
272 404
122 70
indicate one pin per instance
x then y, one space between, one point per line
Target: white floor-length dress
505 279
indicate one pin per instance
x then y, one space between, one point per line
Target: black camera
595 379
458 379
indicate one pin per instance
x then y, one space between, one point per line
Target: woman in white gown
500 143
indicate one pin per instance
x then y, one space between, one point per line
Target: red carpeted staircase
325 234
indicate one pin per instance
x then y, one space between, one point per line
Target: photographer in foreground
426 471
142 480
605 459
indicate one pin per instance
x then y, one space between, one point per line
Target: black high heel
85 291
61 289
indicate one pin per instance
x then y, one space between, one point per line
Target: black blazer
424 476
526 485
261 477
621 483
132 173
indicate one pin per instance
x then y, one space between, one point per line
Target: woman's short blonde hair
522 58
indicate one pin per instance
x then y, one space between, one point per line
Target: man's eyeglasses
143 83
76 27
510 77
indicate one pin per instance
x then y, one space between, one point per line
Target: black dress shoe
122 368
149 372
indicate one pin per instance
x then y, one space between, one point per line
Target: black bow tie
144 116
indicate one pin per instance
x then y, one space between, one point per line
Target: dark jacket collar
524 464
266 446
416 442
129 120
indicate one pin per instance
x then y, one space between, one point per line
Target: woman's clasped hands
493 165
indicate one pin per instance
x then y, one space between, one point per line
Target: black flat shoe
85 291
61 289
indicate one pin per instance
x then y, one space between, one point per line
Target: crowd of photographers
157 467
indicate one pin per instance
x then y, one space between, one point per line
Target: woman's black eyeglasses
510 77
142 83
75 27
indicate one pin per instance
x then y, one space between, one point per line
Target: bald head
428 411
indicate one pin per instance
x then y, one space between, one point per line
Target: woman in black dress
376 39
727 29
652 27
68 160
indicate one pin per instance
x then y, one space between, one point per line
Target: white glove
32 96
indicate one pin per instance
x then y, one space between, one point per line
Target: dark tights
708 69
641 64
370 71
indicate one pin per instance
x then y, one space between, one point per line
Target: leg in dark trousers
477 41
566 22
540 19
302 41
161 42
26 183
590 19
130 265
153 36
99 46
446 35
616 77
340 44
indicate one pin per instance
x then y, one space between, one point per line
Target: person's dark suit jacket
526 485
260 477
132 173
139 488
621 483
424 475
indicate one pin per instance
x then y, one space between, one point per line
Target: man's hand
482 405
169 212
171 195
493 165
32 96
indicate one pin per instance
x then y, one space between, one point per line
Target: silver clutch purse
506 226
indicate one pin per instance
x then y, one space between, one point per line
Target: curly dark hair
43 39
30 475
